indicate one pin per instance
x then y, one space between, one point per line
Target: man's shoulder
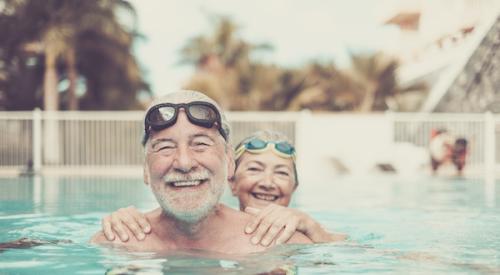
237 217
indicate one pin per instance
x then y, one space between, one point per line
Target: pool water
424 225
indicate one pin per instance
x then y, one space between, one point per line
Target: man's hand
128 217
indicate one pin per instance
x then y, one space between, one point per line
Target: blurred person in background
444 149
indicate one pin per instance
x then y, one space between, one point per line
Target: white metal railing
107 140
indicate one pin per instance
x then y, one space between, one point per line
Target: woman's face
263 178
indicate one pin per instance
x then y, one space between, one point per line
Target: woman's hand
274 219
125 218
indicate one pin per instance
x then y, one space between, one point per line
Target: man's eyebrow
202 135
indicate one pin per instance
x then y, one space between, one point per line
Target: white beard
203 210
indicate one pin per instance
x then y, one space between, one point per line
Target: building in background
436 39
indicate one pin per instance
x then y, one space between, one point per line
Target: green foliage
227 72
82 42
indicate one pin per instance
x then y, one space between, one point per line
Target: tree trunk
368 100
51 95
72 77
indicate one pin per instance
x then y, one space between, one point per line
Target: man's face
187 167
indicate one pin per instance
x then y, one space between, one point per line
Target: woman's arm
273 223
279 223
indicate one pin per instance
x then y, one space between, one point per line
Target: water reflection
67 195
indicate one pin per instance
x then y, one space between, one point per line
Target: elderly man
187 165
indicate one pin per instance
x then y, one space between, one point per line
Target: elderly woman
264 182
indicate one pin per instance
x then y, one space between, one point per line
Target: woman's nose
266 182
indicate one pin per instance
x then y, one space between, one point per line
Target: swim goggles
257 145
199 113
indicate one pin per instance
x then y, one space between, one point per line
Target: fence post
37 140
391 119
489 143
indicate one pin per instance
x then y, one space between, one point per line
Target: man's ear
230 163
231 169
146 173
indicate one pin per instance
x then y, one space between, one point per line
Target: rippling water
396 226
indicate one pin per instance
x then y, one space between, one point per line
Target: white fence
109 142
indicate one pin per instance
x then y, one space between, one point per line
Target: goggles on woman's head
257 145
199 113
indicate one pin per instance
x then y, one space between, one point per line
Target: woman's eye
254 169
283 173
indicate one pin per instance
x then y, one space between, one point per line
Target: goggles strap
240 150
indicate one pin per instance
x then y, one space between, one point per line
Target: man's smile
186 183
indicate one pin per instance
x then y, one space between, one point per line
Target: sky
298 30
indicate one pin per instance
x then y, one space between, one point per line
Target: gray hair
186 96
268 136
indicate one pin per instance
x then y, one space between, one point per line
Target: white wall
358 141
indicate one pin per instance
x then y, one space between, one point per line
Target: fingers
118 227
274 223
261 230
273 231
140 219
122 222
269 225
124 217
287 233
255 222
106 227
286 225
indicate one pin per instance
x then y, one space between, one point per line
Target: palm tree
223 62
68 38
375 74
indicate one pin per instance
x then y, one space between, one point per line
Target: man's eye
163 147
201 144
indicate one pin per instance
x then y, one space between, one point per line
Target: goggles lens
202 112
199 113
163 114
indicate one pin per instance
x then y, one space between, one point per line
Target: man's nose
184 161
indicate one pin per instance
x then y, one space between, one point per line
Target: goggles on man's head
199 113
257 145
